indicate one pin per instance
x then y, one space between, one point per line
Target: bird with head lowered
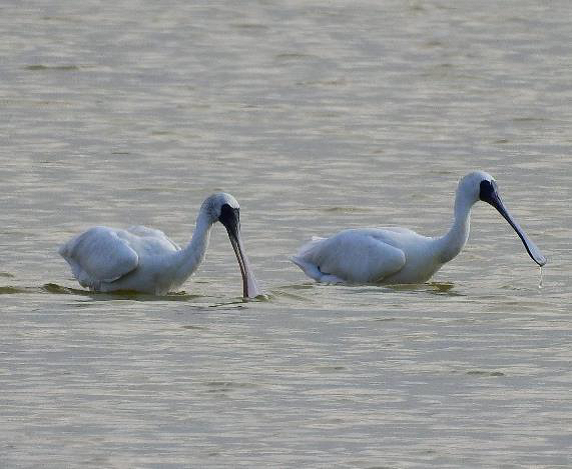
144 260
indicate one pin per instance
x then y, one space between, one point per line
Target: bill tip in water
538 257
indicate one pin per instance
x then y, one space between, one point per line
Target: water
317 116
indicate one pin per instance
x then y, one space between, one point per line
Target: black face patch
229 217
487 189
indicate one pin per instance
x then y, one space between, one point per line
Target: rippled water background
317 116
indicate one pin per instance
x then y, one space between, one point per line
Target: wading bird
145 260
398 255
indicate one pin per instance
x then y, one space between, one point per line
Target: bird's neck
189 258
455 239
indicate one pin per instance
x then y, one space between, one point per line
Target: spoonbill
398 255
144 260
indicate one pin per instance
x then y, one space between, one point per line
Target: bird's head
477 185
222 207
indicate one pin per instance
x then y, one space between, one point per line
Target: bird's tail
303 259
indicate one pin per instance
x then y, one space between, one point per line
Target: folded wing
355 256
99 255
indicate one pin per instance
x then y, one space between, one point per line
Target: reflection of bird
145 260
399 255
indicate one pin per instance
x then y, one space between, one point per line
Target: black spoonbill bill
398 255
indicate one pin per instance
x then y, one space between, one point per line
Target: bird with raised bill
398 255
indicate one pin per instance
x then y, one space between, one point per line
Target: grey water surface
316 115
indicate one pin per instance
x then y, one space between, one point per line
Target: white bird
145 260
398 255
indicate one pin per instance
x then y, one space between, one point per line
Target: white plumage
143 259
399 255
